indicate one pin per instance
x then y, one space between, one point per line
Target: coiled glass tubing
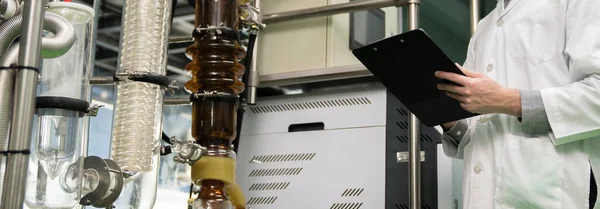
138 107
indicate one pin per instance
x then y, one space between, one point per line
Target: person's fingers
456 78
458 97
453 89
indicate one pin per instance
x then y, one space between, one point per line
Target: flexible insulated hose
64 37
9 31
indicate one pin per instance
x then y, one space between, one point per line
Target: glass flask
59 145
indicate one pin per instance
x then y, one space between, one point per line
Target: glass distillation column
215 85
137 121
56 164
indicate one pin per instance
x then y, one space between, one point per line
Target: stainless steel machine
336 149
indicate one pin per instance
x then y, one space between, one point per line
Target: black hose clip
12 152
20 68
66 103
146 77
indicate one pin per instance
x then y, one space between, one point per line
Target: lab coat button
477 169
490 67
500 23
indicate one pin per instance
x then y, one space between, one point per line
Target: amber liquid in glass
215 67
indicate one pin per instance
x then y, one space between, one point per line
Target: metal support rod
24 108
102 80
474 10
334 9
180 39
176 101
254 76
414 149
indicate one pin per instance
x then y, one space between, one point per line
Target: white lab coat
547 45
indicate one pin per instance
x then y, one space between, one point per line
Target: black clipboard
405 64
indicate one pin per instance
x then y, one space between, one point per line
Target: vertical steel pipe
414 149
474 11
254 75
24 108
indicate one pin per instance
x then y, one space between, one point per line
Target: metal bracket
93 110
403 157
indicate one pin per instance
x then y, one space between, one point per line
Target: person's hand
479 94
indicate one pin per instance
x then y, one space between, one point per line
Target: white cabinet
292 45
310 44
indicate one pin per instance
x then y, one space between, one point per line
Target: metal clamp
93 110
188 152
216 31
110 182
147 77
215 96
250 16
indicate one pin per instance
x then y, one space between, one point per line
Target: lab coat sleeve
455 139
534 120
574 110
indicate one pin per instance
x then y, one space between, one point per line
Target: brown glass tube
213 194
215 67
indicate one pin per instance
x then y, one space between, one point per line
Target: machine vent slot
426 138
405 139
405 206
353 192
347 205
402 139
261 200
402 206
403 125
402 111
269 186
310 105
275 172
283 158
